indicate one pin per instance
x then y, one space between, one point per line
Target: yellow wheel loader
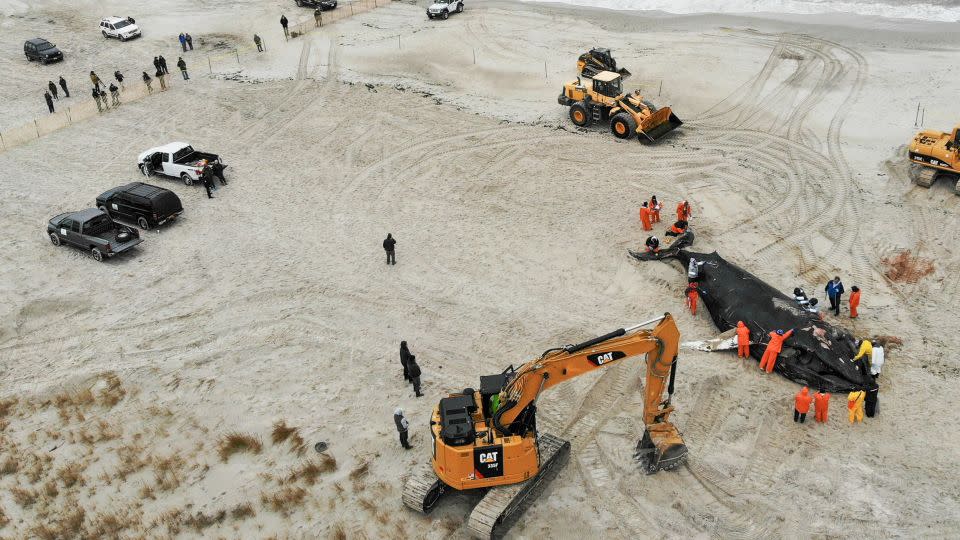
933 155
597 96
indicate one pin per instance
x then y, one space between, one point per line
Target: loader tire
623 126
579 114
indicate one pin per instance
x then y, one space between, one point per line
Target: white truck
179 160
442 8
122 28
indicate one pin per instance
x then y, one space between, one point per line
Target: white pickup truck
179 160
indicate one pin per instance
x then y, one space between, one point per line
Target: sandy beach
152 395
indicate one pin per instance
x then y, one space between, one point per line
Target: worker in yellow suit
855 405
866 349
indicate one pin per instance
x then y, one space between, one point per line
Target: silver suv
122 28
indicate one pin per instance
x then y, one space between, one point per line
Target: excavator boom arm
556 366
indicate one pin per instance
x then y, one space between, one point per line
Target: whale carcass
818 354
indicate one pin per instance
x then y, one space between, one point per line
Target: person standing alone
258 42
63 84
834 291
402 427
389 244
283 23
183 68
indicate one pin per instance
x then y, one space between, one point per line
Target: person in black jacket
283 23
388 245
405 359
53 90
49 98
871 404
163 65
207 178
119 77
834 290
183 68
63 84
414 370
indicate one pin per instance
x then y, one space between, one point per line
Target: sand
122 380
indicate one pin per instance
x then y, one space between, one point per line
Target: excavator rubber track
923 176
423 489
493 516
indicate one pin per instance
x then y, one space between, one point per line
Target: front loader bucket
658 124
661 448
624 73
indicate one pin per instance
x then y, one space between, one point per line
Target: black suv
146 205
42 50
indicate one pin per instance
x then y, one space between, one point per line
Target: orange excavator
487 439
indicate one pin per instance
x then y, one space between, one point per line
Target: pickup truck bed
194 159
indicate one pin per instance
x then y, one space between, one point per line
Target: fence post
35 126
474 56
209 64
398 42
69 117
237 52
661 88
544 69
3 142
916 117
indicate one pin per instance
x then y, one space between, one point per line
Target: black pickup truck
93 231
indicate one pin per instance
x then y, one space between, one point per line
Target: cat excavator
934 155
487 439
597 96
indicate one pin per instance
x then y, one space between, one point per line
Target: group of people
864 401
51 93
100 94
834 290
100 88
650 214
411 374
186 41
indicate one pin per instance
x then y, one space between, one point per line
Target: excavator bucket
660 448
659 123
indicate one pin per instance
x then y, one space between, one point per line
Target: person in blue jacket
834 291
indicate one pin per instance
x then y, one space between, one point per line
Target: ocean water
933 10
